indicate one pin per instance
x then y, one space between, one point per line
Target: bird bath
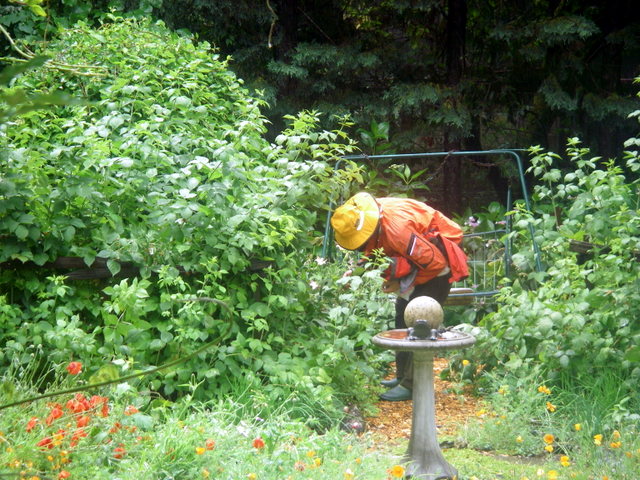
424 458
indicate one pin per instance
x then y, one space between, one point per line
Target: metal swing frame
460 294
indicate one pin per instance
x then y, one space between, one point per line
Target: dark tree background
445 74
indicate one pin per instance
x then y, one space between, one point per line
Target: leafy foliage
166 168
579 317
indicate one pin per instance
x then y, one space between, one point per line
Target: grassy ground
120 434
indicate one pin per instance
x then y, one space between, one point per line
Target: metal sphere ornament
423 317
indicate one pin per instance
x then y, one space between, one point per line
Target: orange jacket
404 231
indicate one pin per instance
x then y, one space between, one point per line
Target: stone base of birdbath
424 459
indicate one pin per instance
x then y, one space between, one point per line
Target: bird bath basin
424 458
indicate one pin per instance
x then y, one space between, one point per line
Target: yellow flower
597 439
544 389
397 471
317 461
549 439
348 474
252 476
551 407
577 427
311 454
465 362
358 460
615 435
519 439
503 390
552 475
549 448
564 461
200 450
205 473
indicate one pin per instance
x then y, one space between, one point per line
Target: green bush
163 172
578 318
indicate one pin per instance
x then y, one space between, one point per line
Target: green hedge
164 168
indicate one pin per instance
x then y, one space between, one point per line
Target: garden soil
392 423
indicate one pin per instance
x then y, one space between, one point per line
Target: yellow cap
355 221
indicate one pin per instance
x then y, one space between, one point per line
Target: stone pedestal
424 459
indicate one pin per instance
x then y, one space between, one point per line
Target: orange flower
83 421
56 412
210 444
45 442
32 423
258 443
64 474
615 444
102 402
549 439
77 435
119 452
130 410
59 435
74 368
396 471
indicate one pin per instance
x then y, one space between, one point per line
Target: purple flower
472 222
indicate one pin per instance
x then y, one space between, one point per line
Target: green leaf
21 232
38 10
106 373
68 233
633 354
114 267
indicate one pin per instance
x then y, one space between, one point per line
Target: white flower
321 260
313 284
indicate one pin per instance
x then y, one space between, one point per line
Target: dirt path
393 423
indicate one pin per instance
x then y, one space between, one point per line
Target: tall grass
588 426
